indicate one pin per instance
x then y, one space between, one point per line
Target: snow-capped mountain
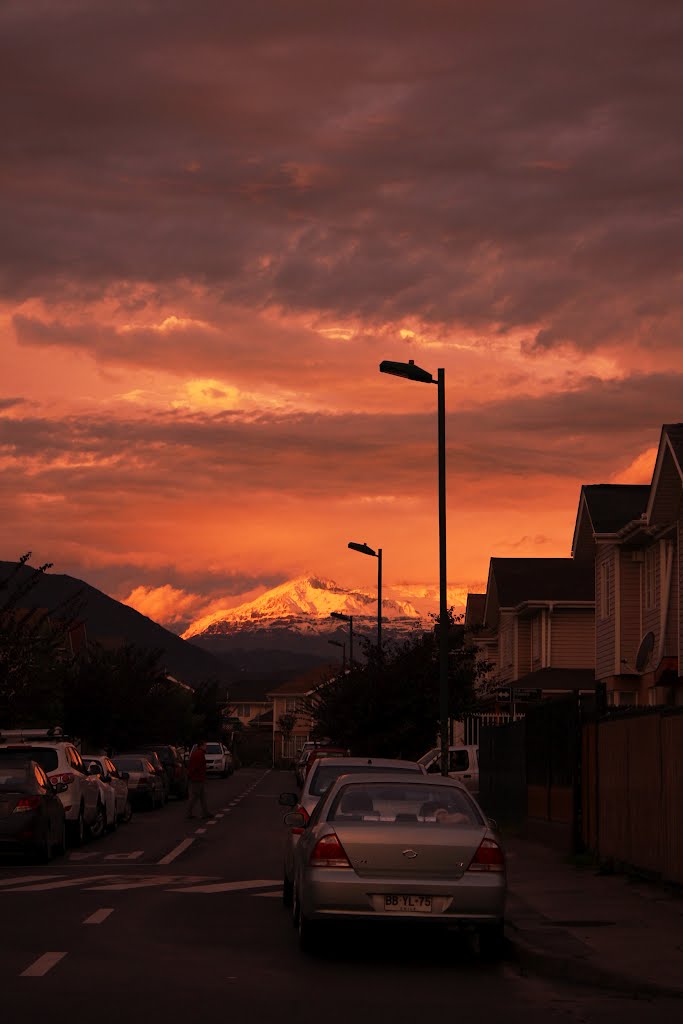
303 606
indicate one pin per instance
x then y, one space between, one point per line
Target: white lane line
200 831
180 848
26 879
42 965
219 815
226 808
254 883
135 855
212 823
99 916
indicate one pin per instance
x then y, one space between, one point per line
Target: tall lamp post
365 550
412 372
340 643
349 619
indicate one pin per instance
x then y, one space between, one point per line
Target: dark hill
109 621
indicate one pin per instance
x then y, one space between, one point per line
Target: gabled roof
304 683
520 580
674 432
670 448
611 506
474 610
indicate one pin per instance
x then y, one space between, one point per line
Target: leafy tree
389 706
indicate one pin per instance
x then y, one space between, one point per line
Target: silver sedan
382 848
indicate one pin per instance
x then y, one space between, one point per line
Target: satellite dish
645 649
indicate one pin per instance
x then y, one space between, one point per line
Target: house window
291 706
536 638
650 577
243 710
605 596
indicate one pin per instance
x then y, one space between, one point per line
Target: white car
218 759
463 764
115 787
83 800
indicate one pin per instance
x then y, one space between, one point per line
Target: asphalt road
172 920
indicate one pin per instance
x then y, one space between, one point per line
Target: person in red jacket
196 771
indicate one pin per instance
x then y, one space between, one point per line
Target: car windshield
213 748
93 760
45 756
326 774
401 803
129 764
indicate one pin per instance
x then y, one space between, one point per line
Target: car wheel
287 893
114 823
77 829
99 823
492 942
43 854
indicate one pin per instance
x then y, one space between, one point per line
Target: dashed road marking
135 855
254 883
200 831
42 965
28 878
99 916
180 848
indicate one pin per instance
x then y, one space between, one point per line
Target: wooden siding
572 639
604 628
671 643
506 647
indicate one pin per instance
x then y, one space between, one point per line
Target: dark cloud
10 403
501 165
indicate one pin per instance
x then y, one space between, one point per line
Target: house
633 533
540 613
479 633
289 708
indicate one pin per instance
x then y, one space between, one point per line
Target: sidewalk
571 923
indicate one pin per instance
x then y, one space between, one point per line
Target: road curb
580 970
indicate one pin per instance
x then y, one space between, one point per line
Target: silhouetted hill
109 621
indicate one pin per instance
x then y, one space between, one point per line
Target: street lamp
349 619
339 643
412 372
365 550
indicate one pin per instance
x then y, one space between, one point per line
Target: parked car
174 766
463 764
145 787
115 784
62 763
150 754
317 752
218 759
382 848
324 772
32 820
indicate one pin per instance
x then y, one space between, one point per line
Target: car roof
383 762
378 778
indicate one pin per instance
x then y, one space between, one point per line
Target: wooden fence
632 791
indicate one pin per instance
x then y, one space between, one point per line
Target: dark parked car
149 752
31 813
173 765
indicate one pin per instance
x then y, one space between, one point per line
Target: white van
463 764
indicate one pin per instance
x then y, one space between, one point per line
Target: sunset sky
218 217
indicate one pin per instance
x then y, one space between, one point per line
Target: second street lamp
349 619
412 372
365 550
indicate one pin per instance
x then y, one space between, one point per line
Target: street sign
522 695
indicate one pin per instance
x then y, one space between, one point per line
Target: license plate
408 904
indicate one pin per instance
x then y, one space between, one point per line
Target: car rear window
45 756
13 777
401 803
325 774
129 764
213 748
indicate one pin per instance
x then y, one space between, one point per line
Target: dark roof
305 682
674 431
611 506
557 679
474 610
542 579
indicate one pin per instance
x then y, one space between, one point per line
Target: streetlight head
408 370
363 548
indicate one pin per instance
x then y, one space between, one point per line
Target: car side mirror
124 775
94 770
493 824
295 819
60 787
288 799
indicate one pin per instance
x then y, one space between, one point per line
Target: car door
90 786
120 785
54 811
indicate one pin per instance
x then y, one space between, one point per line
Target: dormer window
650 578
605 587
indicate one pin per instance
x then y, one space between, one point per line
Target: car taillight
296 831
329 853
489 857
64 777
27 803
